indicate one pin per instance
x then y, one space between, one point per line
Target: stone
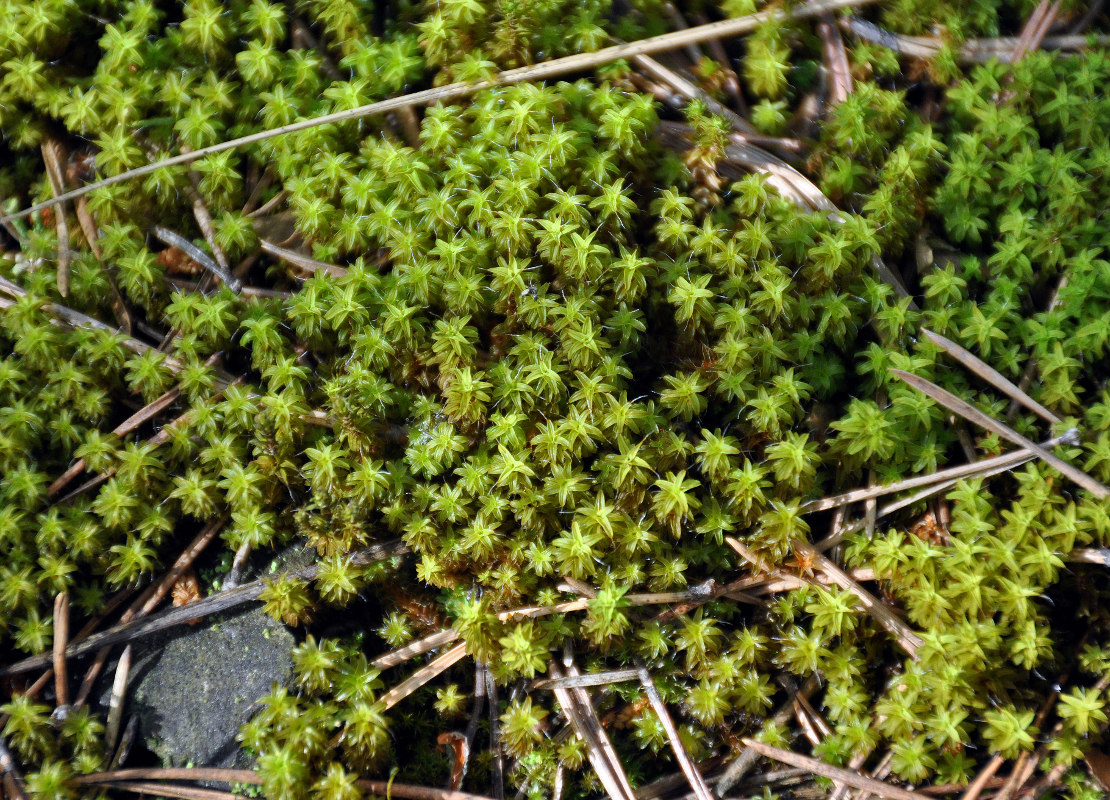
194 687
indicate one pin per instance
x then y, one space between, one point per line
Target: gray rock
193 688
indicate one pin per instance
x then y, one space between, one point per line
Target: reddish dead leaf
177 263
622 718
928 529
186 590
460 749
1099 764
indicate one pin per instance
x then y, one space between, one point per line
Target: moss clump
552 357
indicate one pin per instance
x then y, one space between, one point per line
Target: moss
557 353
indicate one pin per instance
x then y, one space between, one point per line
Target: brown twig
52 156
975 788
836 61
426 673
536 72
1036 28
140 417
61 639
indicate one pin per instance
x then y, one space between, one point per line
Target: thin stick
975 788
214 604
61 639
583 719
972 414
1005 461
300 261
731 83
141 416
588 679
906 638
170 790
52 156
836 60
685 763
221 271
475 712
536 72
76 319
426 673
678 23
834 773
382 788
148 601
238 564
992 376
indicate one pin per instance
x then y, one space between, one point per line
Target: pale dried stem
426 673
381 788
479 703
583 719
731 83
218 267
833 773
880 772
308 266
685 763
67 316
678 22
497 765
115 702
1031 365
213 604
972 414
238 564
855 763
992 376
537 72
588 679
879 611
1035 31
972 51
975 788
13 780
